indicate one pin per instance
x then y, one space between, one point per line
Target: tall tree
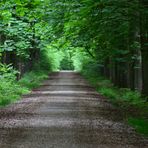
144 43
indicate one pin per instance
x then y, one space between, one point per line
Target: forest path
65 112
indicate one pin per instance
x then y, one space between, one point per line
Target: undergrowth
33 79
11 89
140 124
130 102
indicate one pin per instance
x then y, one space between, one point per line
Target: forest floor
66 112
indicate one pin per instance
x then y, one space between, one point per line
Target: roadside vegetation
12 89
131 103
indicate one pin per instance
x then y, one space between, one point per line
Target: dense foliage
110 35
114 35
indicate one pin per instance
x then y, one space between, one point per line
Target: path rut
65 112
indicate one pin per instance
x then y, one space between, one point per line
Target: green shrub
66 64
133 97
109 92
33 79
8 72
10 91
91 68
141 125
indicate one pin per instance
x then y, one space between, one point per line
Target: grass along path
133 106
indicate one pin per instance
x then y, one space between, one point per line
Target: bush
91 67
66 64
109 92
8 72
141 125
133 97
9 89
33 79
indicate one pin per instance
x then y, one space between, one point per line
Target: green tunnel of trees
110 35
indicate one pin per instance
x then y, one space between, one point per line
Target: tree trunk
144 47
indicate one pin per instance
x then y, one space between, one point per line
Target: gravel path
65 112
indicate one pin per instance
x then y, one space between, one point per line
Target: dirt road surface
65 112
